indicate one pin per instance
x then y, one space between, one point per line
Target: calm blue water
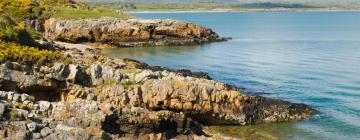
304 57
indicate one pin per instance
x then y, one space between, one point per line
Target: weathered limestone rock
46 131
15 80
31 126
59 71
133 32
79 113
44 105
2 108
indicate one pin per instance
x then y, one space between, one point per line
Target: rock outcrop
133 32
97 97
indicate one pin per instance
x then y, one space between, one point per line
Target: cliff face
97 97
133 32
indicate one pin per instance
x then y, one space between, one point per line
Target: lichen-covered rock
78 113
133 32
59 71
12 79
2 108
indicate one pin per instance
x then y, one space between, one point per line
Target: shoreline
239 11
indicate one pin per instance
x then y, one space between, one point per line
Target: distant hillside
232 5
273 5
245 1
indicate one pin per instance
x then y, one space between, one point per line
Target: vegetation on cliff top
18 11
17 40
15 14
95 12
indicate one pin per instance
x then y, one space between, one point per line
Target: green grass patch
128 84
12 115
110 82
73 13
131 71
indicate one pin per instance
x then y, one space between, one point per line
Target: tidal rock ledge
97 97
128 33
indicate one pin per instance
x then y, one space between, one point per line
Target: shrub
17 33
29 55
16 10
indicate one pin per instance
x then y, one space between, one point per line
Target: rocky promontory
96 97
128 33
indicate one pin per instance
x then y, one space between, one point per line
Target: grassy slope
72 13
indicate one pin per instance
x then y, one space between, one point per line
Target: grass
73 13
128 84
131 71
110 82
13 115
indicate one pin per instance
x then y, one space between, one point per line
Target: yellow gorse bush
17 10
28 55
20 27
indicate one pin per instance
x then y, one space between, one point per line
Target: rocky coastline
97 97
